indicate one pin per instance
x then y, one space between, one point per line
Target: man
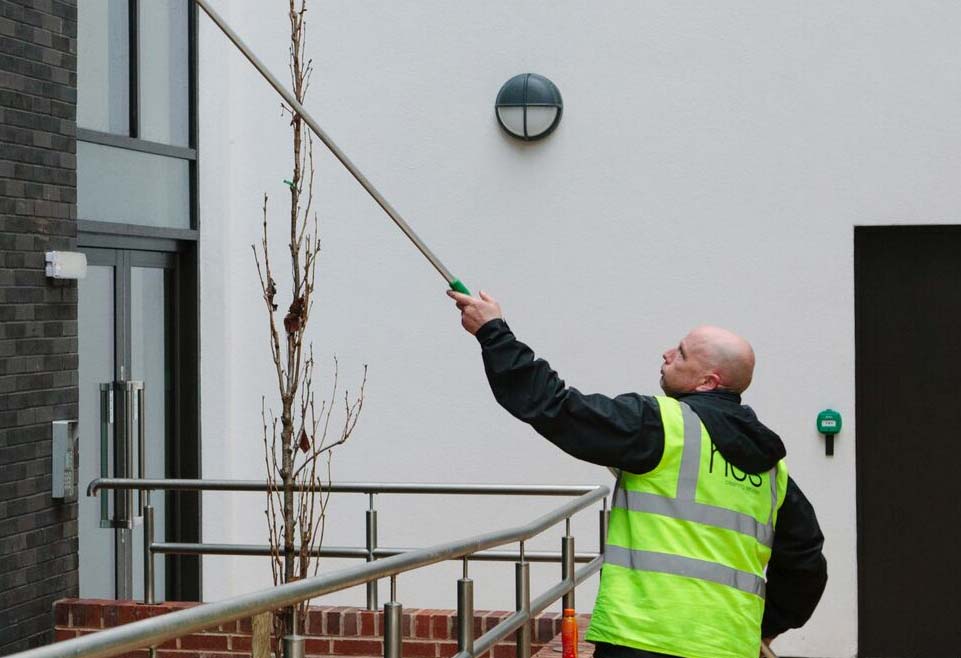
711 546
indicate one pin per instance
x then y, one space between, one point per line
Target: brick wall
331 631
38 319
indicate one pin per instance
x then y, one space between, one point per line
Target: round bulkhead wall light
529 106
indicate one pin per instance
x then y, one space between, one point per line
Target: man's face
683 370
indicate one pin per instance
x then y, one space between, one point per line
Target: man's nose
667 355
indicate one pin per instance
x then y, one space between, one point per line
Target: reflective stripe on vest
685 566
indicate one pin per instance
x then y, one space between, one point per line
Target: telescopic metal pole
452 281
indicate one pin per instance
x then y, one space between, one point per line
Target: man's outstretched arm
623 432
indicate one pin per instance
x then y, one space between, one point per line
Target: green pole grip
459 287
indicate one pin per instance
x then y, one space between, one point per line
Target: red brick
61 614
332 622
492 619
445 649
316 646
209 642
504 650
111 616
478 625
61 634
356 647
203 654
421 624
315 621
240 643
418 649
370 623
441 625
544 629
85 615
135 654
128 611
348 623
406 622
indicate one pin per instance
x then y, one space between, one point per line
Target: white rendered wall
711 164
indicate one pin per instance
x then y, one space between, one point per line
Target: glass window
103 66
119 185
163 71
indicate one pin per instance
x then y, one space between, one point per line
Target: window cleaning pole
452 281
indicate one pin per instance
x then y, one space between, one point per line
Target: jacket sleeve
797 572
623 432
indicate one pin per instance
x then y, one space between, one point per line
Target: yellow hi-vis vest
686 549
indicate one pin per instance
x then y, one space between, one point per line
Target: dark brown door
908 365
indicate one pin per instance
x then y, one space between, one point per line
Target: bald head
708 358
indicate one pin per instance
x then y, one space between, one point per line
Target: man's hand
475 312
766 651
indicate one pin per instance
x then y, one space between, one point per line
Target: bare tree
298 443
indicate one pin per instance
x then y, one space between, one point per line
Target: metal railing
154 631
370 552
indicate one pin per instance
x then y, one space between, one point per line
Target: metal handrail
370 552
343 487
156 630
264 550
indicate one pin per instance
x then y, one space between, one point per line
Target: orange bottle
569 634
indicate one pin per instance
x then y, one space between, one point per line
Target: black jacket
626 433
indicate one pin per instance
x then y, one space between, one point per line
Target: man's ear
709 382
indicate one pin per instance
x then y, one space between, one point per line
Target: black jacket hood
740 437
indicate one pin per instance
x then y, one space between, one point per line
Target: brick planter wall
331 631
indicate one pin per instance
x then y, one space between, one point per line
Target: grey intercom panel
64 456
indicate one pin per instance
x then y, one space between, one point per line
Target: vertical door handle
106 420
141 438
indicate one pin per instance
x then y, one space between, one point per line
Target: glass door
126 333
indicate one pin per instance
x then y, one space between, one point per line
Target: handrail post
522 589
393 618
371 547
567 565
465 613
294 644
149 596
